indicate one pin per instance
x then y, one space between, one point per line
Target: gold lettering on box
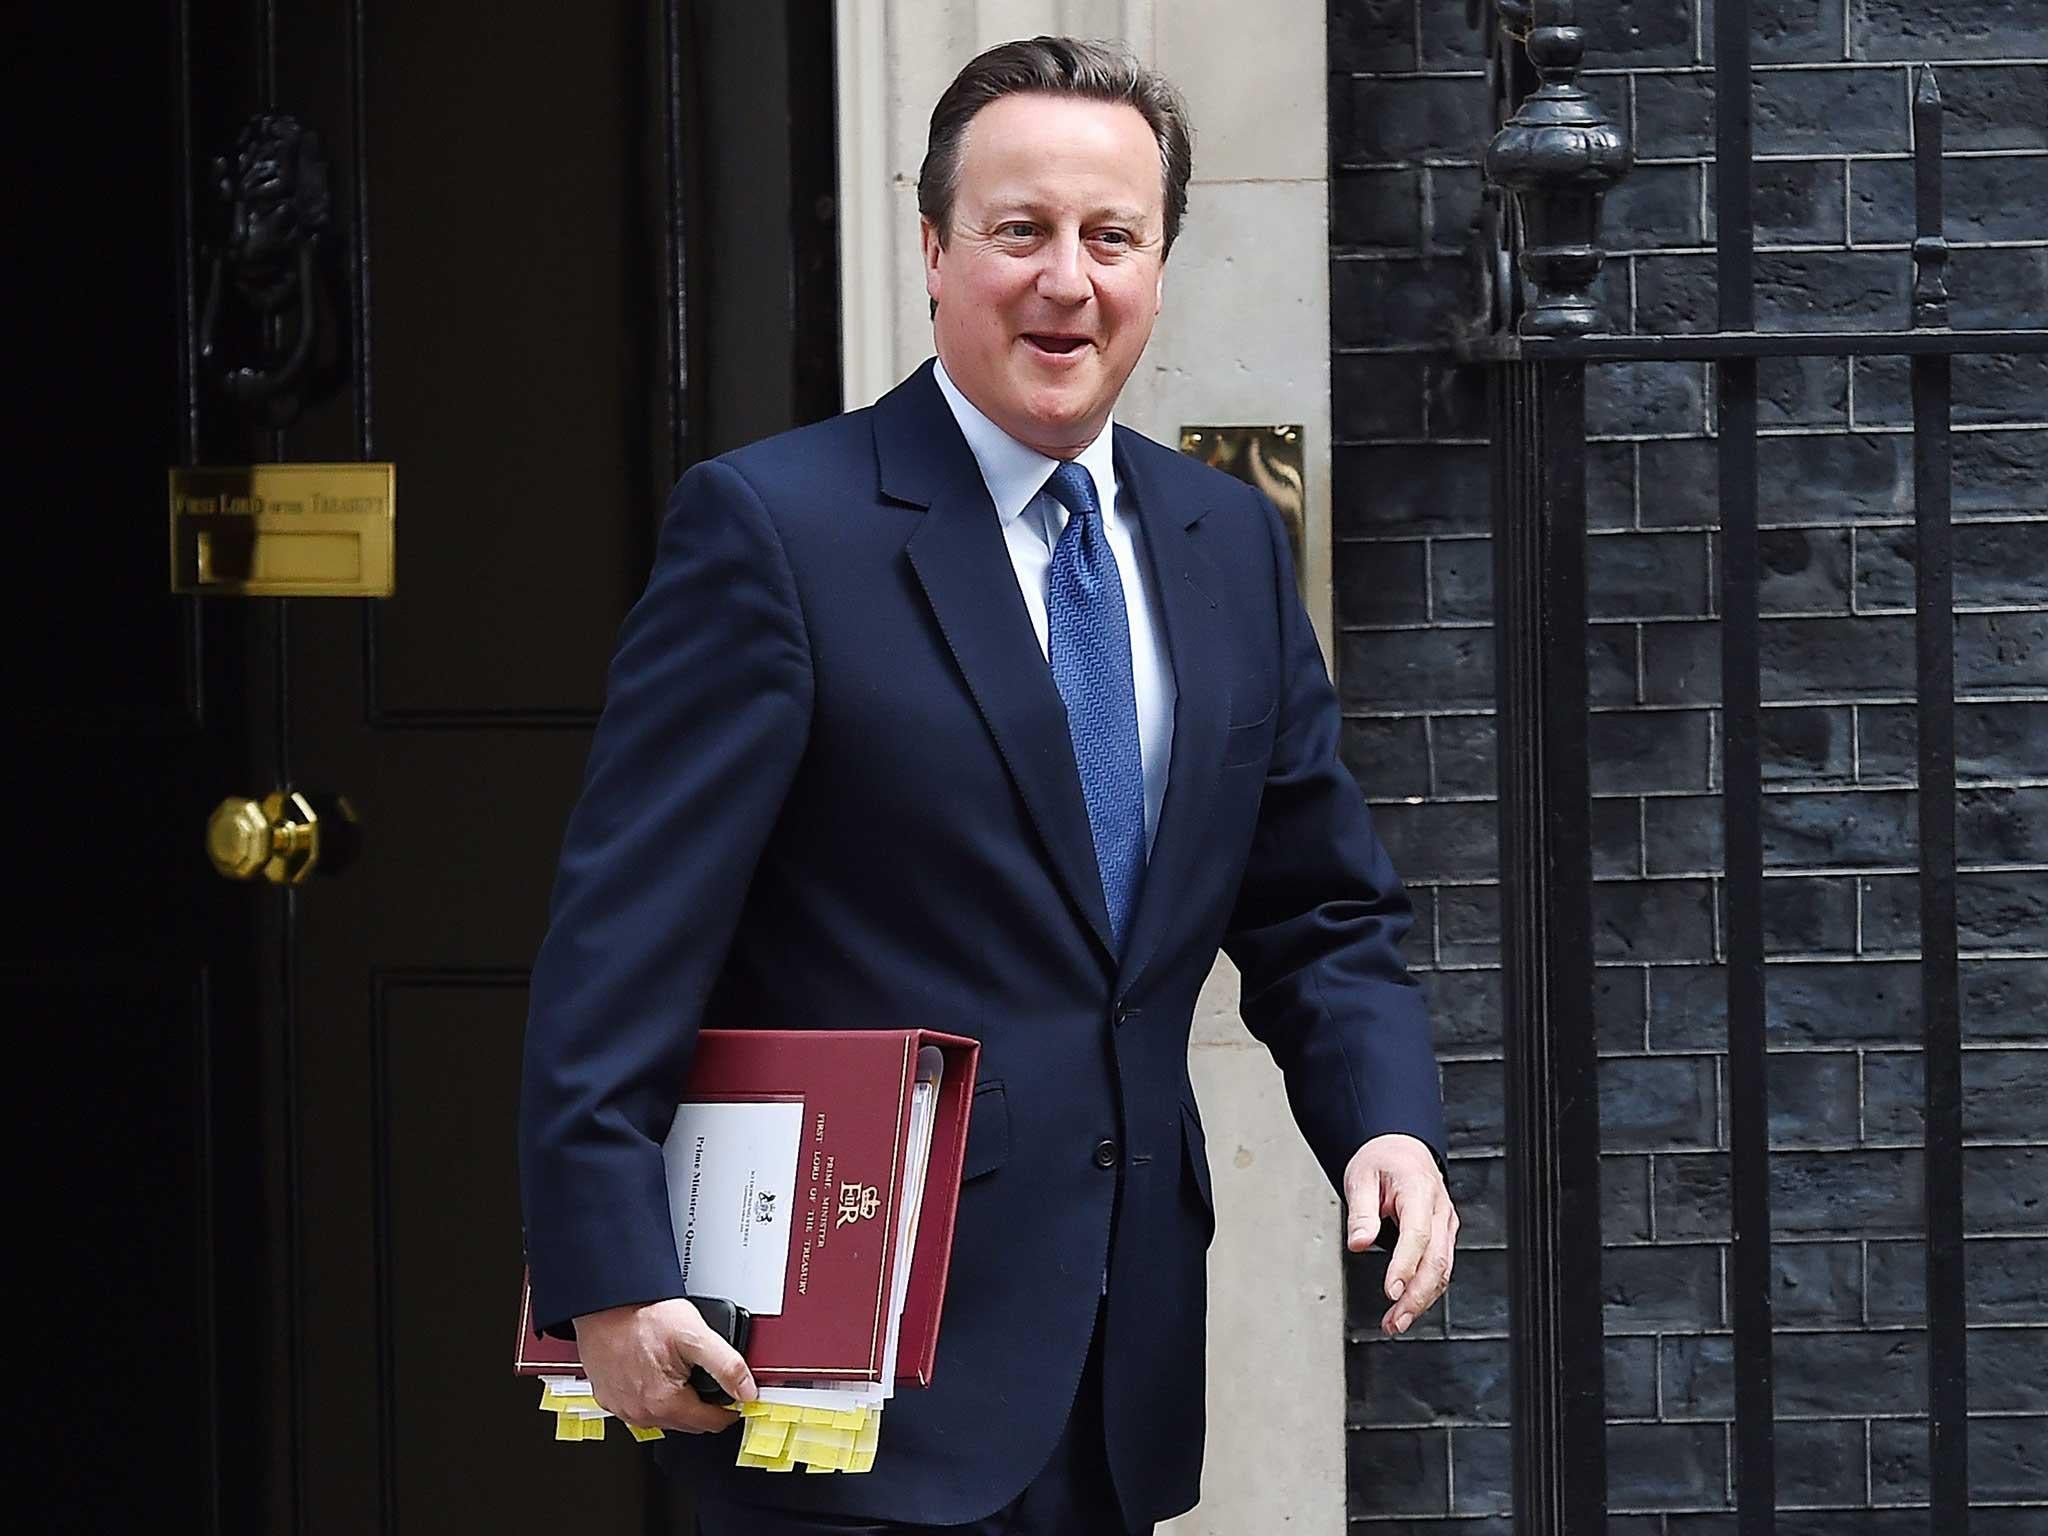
857 1202
284 530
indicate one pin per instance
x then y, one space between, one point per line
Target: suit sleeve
706 714
1318 922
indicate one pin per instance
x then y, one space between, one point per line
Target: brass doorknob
277 837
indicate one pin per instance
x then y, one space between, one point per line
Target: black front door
277 1257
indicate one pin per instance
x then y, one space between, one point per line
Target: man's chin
1071 425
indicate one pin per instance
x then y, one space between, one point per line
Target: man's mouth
1057 345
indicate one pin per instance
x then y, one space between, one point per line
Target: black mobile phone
731 1322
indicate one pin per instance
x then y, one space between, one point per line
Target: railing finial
1558 154
1930 241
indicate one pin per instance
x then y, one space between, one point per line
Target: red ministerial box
856 1089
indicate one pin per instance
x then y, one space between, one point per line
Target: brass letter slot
285 530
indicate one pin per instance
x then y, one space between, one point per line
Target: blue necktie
1088 640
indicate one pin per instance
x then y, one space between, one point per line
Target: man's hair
1055 66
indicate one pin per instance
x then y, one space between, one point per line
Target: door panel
524 286
517 288
125 982
518 336
444 1087
270 1174
119 1275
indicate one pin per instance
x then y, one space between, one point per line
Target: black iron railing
1539 254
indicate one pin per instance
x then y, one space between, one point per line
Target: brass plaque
1269 458
285 530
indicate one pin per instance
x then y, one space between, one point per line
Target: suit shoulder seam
785 565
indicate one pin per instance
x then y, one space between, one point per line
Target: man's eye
1020 231
1113 236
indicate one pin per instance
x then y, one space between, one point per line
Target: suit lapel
960 559
1184 581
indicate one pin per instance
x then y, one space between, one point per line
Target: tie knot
1073 487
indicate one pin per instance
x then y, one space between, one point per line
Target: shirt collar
1013 473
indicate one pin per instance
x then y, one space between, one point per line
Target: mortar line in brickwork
1704 73
1634 118
1779 1149
1874 429
1480 712
1874 247
1993 609
1382 76
1388 349
1615 621
1720 1061
1815 871
1649 1197
1766 248
1450 1470
1781 789
1862 1097
1809 1240
1421 162
1797 157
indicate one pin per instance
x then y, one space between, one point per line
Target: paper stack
577 1416
780 1437
726 1155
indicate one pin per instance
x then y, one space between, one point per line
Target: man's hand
1396 1176
638 1360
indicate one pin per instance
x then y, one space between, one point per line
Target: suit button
1105 1154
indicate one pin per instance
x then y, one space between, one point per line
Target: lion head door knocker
273 188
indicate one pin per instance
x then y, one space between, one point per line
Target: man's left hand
1396 1175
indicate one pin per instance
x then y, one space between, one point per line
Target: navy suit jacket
833 786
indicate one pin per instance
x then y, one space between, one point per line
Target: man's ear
933 246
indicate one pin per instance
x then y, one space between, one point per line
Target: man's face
1050 278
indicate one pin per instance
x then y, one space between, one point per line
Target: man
970 711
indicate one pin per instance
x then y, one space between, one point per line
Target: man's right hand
638 1359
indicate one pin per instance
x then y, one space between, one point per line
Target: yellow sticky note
644 1432
568 1427
865 1444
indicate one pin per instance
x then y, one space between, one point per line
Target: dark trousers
1071 1497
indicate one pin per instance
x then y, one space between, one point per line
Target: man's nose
1063 276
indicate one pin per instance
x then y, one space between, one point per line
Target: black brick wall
1408 118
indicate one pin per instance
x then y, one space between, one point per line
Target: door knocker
273 185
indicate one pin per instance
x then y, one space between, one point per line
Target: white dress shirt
1015 476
